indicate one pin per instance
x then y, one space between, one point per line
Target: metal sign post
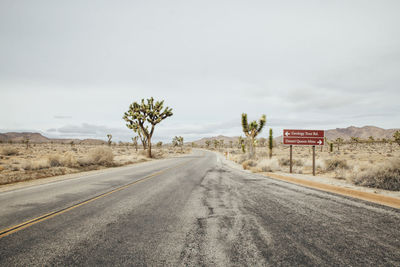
313 160
291 163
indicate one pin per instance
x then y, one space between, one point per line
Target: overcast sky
71 68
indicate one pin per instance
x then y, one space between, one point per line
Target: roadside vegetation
371 162
18 163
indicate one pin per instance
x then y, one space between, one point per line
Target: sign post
313 160
303 138
291 164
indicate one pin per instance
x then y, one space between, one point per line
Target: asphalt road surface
193 210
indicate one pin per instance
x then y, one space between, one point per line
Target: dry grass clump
9 151
333 164
286 162
36 164
44 160
269 165
383 176
102 156
249 163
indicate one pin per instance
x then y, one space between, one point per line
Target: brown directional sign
303 137
303 141
303 133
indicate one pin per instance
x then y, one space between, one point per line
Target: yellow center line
18 227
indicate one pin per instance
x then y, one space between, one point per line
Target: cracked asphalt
196 211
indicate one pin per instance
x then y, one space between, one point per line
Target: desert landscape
21 162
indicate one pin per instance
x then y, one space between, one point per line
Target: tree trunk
251 147
149 148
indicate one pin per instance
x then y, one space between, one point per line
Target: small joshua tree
208 143
178 141
231 144
355 140
159 144
339 141
109 136
216 143
143 117
396 137
241 144
270 142
221 143
252 130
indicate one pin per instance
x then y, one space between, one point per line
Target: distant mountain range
38 138
345 133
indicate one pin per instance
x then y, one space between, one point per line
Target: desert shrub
54 160
268 165
319 164
249 163
36 164
286 162
9 151
69 160
333 164
1 168
98 156
242 158
383 176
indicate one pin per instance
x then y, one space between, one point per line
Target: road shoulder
341 187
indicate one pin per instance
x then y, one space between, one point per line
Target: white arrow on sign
319 142
287 134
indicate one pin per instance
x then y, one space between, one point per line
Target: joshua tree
72 143
109 136
396 137
331 147
231 144
159 144
355 140
339 141
216 143
208 143
371 139
221 143
252 130
145 117
178 141
135 144
270 142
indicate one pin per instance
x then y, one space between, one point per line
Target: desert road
194 210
